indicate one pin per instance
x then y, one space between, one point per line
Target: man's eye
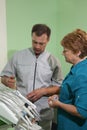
41 43
34 42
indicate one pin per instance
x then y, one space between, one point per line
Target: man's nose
38 45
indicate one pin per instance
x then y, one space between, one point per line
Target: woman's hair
76 41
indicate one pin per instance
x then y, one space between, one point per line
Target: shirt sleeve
57 76
81 94
9 69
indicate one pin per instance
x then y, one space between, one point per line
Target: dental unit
17 111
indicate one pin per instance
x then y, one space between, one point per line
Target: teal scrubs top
74 91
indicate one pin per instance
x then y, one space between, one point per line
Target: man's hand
36 94
9 81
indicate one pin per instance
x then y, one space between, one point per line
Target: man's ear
48 39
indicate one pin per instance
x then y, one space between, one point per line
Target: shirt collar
73 68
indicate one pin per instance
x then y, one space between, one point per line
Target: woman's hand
53 101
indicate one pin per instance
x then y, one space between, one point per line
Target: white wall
3 37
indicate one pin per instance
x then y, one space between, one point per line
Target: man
35 73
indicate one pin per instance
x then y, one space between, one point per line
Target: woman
72 101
